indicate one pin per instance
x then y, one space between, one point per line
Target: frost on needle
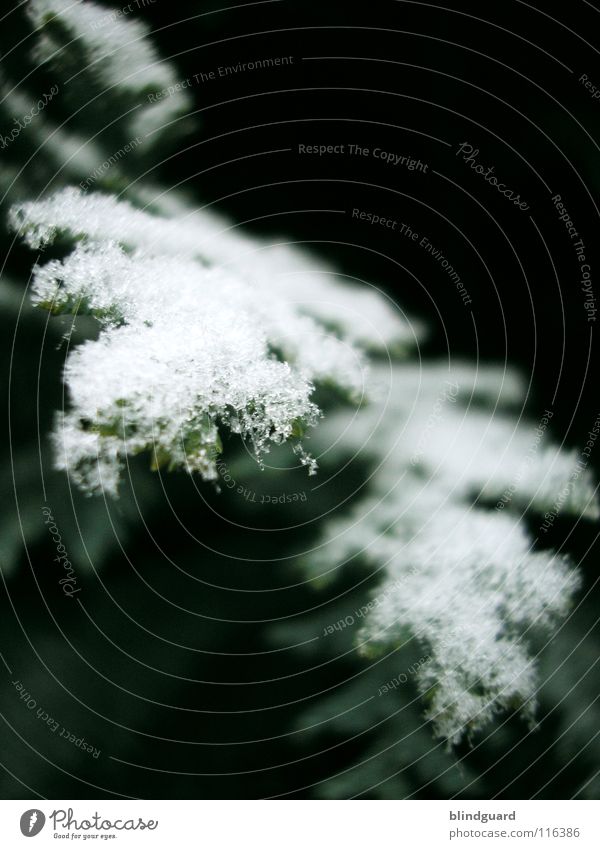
189 344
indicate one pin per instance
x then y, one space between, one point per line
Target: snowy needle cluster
117 53
441 521
189 345
204 332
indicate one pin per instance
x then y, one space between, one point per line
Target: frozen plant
186 344
205 331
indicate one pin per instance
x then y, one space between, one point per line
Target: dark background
412 70
182 673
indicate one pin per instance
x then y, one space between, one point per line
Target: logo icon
32 822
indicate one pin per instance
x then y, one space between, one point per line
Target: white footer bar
302 824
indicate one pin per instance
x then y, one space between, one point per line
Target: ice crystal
188 345
360 315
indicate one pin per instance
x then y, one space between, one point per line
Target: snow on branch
188 346
468 583
116 52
